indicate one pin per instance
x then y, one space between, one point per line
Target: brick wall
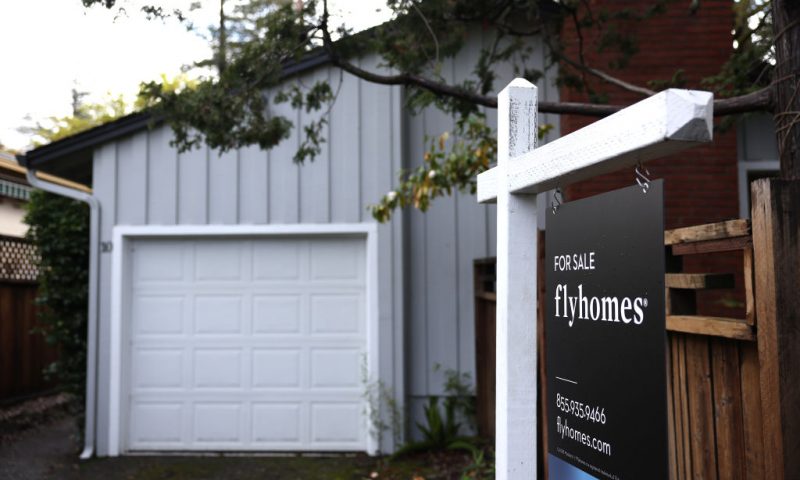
701 183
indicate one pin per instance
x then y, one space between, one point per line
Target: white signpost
666 123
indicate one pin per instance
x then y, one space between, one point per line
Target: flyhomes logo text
625 310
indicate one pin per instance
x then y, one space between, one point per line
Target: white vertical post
516 290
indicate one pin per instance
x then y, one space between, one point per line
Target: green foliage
84 116
482 464
380 401
458 388
233 109
175 84
59 227
678 80
440 432
312 99
751 63
444 415
105 3
448 165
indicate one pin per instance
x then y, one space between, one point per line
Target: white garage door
254 344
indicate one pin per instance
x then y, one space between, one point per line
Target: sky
49 47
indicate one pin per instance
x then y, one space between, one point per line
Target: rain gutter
91 334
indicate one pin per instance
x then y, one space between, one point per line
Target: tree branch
760 100
406 79
620 83
608 78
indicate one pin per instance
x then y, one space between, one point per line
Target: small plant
482 465
444 415
458 387
379 398
440 433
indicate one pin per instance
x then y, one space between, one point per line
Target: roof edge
133 123
80 141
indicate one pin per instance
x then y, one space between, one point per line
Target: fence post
776 246
516 291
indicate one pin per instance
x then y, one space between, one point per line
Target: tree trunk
786 22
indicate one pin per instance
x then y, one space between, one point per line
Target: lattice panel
18 260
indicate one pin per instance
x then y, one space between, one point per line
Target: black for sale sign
605 337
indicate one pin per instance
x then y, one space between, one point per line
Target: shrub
59 227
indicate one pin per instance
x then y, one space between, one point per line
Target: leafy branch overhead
258 40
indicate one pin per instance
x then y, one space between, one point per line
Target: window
758 155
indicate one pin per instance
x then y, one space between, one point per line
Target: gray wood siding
426 305
142 180
443 243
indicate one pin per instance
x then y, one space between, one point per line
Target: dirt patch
29 414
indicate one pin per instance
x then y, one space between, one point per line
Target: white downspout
91 333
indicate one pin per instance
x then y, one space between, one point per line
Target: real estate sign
605 337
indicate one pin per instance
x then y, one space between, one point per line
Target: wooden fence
23 353
714 385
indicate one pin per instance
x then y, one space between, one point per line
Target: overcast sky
47 47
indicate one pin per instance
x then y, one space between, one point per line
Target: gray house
246 303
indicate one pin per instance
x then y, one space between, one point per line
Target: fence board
683 394
776 241
671 439
728 409
485 355
751 412
23 353
701 413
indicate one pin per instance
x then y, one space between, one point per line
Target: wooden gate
23 353
714 368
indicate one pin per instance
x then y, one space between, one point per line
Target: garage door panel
158 314
157 368
336 423
218 314
277 424
250 341
156 423
283 288
336 313
217 423
218 260
277 314
282 395
338 368
257 344
217 368
277 368
339 259
158 262
277 260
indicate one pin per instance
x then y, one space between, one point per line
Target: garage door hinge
106 247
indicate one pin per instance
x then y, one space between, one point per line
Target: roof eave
85 140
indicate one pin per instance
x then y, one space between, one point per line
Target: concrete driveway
39 441
50 452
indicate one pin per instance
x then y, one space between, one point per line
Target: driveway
50 452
